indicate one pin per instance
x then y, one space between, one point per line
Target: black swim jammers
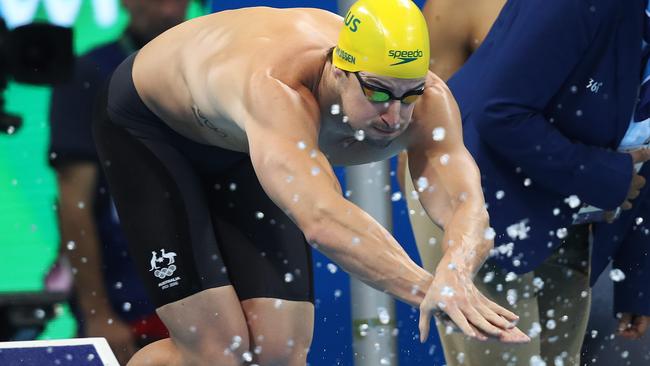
195 216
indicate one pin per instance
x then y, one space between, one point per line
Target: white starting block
59 352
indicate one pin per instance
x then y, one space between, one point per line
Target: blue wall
332 343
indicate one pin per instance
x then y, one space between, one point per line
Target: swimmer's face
367 101
149 18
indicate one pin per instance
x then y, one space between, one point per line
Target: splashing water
288 277
447 291
384 316
422 184
489 234
616 275
438 134
573 201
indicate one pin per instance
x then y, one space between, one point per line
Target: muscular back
196 75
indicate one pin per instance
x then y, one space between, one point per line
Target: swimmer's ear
340 74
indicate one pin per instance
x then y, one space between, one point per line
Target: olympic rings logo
165 271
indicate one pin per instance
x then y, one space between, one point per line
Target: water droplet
337 293
359 135
363 329
81 204
315 170
39 313
247 356
518 230
488 277
489 234
301 145
561 233
594 333
534 330
332 268
556 211
550 324
288 277
616 275
90 357
527 182
71 245
259 215
447 291
126 306
579 113
232 186
422 184
573 201
438 134
396 196
537 361
638 220
500 194
511 296
538 283
335 109
384 316
444 159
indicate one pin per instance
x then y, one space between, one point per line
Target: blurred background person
109 299
457 28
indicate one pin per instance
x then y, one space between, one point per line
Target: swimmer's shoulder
433 104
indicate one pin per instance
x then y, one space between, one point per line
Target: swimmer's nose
391 116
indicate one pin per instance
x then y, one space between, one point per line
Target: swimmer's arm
302 183
462 215
462 212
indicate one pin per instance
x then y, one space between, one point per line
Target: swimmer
218 139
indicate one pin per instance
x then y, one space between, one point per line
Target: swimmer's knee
283 351
209 352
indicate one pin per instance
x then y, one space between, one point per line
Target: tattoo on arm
204 122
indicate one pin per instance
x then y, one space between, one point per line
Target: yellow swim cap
384 37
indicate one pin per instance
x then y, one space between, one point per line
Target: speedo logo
404 56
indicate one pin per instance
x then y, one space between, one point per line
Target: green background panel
28 228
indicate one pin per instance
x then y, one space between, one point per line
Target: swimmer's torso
195 76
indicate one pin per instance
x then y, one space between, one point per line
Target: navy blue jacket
545 102
626 243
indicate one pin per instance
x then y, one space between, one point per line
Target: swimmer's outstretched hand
452 293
